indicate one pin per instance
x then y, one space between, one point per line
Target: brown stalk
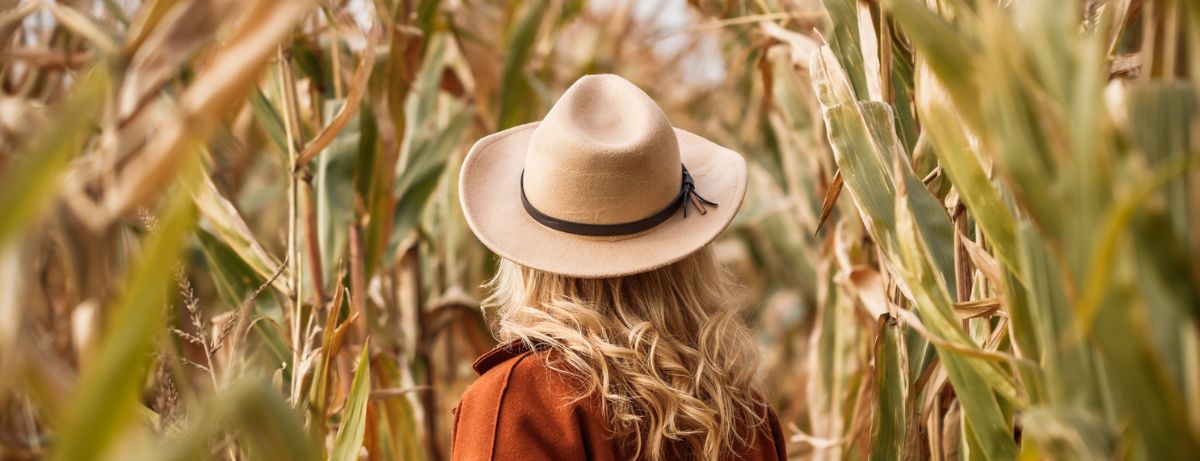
934 431
963 271
358 284
410 267
1149 32
11 15
1170 39
915 413
987 265
291 126
885 57
313 244
49 59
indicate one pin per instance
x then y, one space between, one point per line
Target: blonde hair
666 351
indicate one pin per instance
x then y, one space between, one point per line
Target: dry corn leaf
83 26
176 36
978 308
358 87
228 77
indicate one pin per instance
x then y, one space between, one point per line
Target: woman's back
521 408
602 214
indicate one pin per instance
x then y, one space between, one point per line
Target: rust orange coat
521 409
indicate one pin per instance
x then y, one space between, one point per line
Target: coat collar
498 355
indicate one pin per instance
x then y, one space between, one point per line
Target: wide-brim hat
603 186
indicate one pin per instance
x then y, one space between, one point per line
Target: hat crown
604 154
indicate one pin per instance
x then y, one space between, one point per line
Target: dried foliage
230 228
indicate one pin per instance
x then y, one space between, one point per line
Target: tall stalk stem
292 128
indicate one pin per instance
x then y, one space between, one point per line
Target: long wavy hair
665 350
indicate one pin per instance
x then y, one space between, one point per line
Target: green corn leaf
1024 335
514 88
426 15
423 107
962 165
903 86
862 136
428 161
935 227
1167 284
1160 119
234 279
373 178
869 155
1064 433
1017 130
1150 399
1069 367
949 53
843 36
834 389
349 438
400 433
975 382
269 119
335 190
225 223
891 388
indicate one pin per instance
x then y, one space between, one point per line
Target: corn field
229 229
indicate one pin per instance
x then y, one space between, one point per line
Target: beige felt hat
603 186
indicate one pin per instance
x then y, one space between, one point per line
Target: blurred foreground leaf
31 178
110 381
256 412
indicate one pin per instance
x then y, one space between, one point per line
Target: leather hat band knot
687 194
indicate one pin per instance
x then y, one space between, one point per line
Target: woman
619 338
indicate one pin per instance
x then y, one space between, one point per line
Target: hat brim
490 192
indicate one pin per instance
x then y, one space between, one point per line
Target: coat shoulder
511 393
478 410
528 372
